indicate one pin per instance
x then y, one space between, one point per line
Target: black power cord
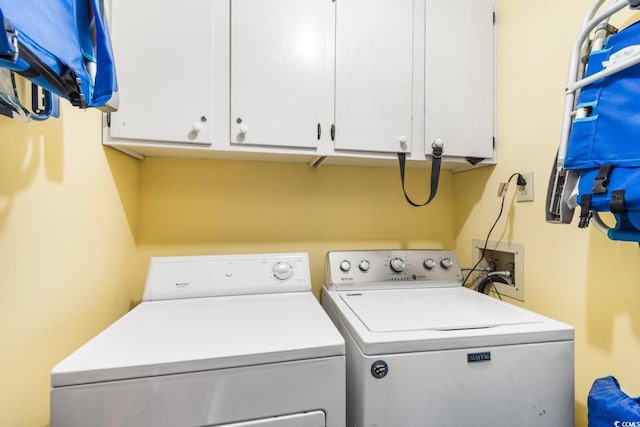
521 182
491 280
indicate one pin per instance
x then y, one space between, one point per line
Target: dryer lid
200 334
437 309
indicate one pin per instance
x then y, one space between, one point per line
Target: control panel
395 267
223 275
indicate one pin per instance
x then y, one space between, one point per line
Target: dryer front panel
224 397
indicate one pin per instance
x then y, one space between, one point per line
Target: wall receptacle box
500 257
524 193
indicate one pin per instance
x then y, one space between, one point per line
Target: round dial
364 265
345 266
429 264
397 265
446 263
282 270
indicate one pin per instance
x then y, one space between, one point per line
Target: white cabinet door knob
244 129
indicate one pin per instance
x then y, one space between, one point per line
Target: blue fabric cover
65 35
627 227
608 406
610 134
7 49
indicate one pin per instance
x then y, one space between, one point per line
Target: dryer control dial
345 266
283 270
364 265
397 265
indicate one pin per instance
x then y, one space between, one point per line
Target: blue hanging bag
604 143
609 406
64 47
8 40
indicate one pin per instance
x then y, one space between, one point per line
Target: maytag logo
182 285
478 357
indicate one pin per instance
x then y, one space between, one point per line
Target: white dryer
235 341
422 350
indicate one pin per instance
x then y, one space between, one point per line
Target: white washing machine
232 341
422 350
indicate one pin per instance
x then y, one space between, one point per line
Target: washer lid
439 309
189 335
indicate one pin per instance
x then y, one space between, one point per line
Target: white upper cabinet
459 76
342 81
277 55
374 69
164 59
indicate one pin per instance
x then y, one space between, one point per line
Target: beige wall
79 221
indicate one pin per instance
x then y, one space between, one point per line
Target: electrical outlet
524 193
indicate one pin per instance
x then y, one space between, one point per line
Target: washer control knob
364 265
397 265
282 270
429 264
446 263
345 266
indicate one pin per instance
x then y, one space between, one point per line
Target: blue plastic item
8 40
609 406
604 143
64 47
44 104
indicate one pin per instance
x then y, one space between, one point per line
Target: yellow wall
203 206
78 222
577 276
68 212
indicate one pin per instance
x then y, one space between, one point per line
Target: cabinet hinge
494 142
494 17
333 132
108 119
319 131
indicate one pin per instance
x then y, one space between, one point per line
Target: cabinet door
164 64
459 87
373 81
276 59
